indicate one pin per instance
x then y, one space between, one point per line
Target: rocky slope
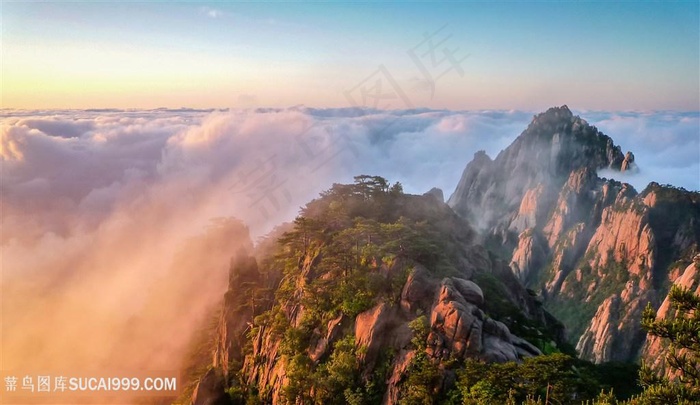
366 282
654 350
371 293
596 249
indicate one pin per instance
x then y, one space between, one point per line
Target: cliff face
370 281
654 350
537 163
596 249
458 314
237 312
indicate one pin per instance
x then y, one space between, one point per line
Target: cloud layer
100 207
666 145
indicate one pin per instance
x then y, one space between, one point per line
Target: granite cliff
596 249
366 282
376 296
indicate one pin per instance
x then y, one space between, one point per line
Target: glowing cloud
107 236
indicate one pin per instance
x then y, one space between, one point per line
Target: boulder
469 290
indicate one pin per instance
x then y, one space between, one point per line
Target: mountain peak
559 112
553 115
573 139
592 246
555 144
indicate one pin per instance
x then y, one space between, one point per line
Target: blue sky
514 55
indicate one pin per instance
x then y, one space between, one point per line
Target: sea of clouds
99 207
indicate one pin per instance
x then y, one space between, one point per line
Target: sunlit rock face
467 306
654 350
596 249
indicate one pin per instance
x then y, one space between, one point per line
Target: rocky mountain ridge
375 296
596 249
371 278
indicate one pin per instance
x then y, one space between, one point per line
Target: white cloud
97 203
666 145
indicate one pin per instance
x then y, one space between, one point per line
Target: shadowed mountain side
598 250
370 283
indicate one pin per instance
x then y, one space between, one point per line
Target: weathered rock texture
655 350
237 312
591 250
464 314
595 249
459 328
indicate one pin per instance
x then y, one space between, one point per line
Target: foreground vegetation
354 248
556 379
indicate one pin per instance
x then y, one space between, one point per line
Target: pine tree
681 332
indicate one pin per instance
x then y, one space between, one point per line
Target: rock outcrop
630 255
529 256
555 144
437 193
237 312
468 301
458 324
595 249
369 283
628 163
655 350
